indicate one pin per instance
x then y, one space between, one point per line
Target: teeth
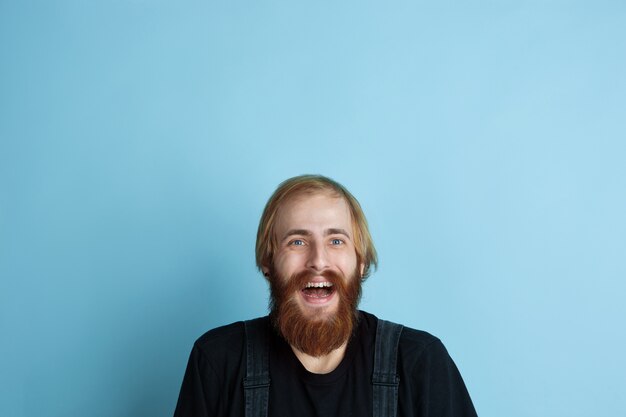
318 284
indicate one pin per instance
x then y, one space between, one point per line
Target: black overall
384 378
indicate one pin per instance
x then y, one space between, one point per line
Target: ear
361 269
266 271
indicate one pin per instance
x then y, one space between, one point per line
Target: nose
318 258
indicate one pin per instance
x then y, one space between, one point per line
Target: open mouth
318 290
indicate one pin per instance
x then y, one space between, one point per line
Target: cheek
346 263
287 262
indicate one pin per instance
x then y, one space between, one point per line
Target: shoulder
414 343
432 384
225 342
217 365
220 336
412 338
422 355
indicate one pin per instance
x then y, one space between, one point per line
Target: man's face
315 281
315 237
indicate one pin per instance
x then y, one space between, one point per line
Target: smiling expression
314 237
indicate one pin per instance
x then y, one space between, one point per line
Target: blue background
139 141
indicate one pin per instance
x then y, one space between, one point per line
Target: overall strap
256 384
385 379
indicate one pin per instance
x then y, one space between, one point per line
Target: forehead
313 211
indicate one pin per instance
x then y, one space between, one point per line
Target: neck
321 364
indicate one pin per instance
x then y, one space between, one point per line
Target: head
309 185
315 249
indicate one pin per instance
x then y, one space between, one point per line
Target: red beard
315 336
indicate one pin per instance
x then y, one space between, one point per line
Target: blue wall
139 141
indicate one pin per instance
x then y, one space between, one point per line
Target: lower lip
317 300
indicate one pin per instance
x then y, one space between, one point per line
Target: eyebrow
327 232
336 232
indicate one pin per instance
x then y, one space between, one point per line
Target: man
316 354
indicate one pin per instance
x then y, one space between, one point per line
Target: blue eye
297 242
336 241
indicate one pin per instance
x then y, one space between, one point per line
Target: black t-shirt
430 383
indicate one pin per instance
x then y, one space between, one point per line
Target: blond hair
266 243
